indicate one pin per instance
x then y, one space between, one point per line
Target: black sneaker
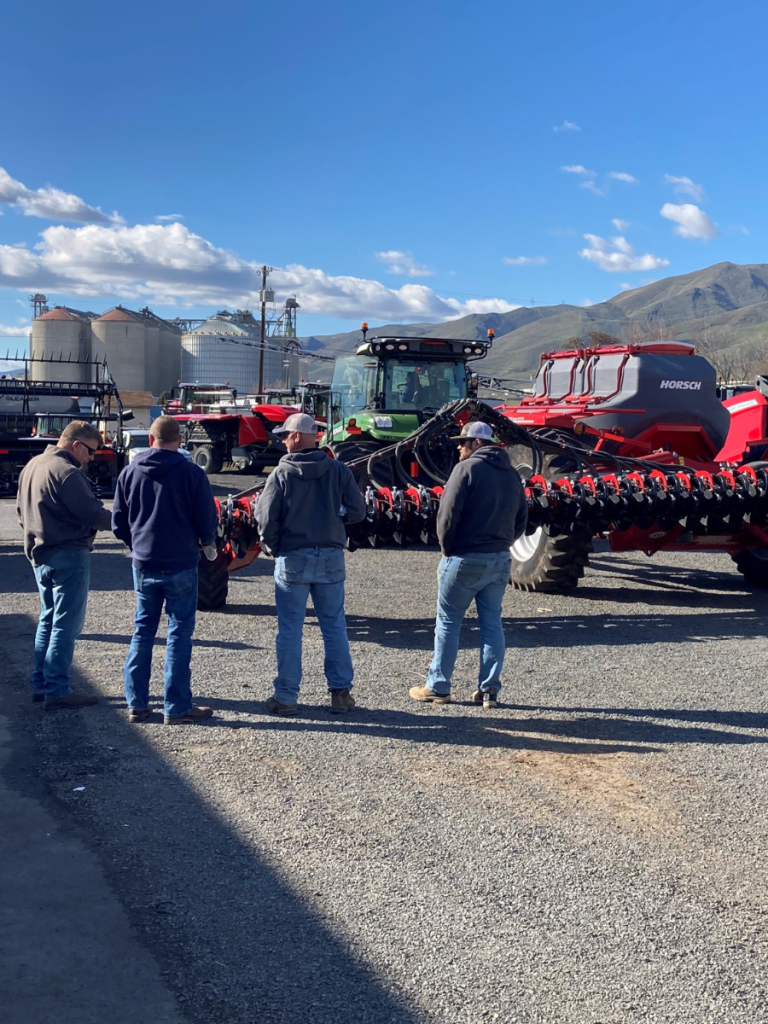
485 697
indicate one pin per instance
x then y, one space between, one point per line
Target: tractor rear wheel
212 583
543 561
208 458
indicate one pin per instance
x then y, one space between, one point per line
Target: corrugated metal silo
118 337
61 335
221 350
170 357
152 356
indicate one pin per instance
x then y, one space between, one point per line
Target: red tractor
628 443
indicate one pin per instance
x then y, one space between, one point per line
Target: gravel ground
591 853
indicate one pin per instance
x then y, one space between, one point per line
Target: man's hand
211 552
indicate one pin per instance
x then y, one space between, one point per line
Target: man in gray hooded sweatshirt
482 513
301 515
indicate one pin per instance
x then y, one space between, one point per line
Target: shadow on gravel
125 638
547 630
500 729
237 945
733 719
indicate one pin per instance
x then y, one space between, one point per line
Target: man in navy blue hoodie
164 511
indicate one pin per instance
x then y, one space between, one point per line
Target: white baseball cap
474 431
299 423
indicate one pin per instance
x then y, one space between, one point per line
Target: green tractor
387 390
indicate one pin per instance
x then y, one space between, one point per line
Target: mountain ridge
723 309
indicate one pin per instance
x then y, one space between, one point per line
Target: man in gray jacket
60 515
301 515
482 513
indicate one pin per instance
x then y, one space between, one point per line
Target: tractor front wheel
212 583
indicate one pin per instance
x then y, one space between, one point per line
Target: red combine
628 443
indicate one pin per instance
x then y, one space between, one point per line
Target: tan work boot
192 716
342 701
423 693
274 707
70 701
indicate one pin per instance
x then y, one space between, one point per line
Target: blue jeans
319 572
179 592
460 579
63 585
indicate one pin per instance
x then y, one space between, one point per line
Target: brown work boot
274 707
423 693
72 700
139 714
342 701
488 698
192 716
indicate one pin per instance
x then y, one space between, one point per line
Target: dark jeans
63 585
178 590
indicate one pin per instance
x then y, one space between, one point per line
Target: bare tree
732 363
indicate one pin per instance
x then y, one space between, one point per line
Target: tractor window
411 384
354 385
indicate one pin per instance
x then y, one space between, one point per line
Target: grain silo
221 350
170 356
151 356
119 337
59 336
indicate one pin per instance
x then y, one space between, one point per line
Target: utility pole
264 271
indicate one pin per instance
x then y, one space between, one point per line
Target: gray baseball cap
300 423
474 431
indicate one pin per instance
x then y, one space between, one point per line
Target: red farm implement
628 443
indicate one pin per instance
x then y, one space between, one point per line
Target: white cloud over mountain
169 264
691 221
616 255
51 203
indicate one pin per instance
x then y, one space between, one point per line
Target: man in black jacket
301 515
164 511
482 513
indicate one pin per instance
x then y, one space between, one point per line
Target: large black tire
542 561
212 583
208 458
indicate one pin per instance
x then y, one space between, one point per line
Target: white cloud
19 331
623 176
619 224
166 218
739 229
691 221
523 261
585 303
592 187
577 169
618 256
169 264
566 126
625 287
685 187
50 203
403 263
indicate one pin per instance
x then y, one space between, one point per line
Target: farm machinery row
628 443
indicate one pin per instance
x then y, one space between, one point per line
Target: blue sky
387 159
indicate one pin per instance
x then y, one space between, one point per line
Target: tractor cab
391 385
387 389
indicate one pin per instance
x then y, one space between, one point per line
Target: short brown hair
165 429
79 430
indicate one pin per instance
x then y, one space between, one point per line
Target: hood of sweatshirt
493 456
158 462
308 465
